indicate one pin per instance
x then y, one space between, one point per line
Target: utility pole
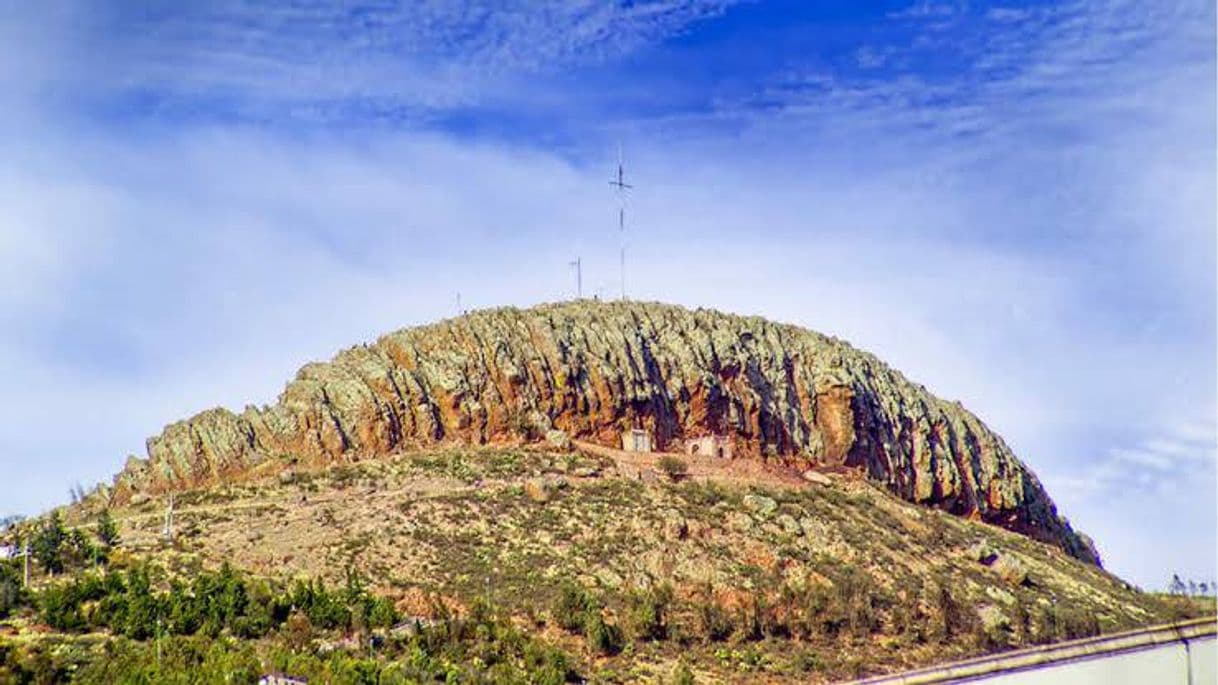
168 532
579 278
622 186
458 303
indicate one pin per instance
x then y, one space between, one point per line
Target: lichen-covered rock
559 440
538 490
1010 569
592 370
994 622
818 478
983 552
761 505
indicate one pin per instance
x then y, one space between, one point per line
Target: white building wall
1168 664
1184 653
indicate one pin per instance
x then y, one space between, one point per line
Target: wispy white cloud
324 59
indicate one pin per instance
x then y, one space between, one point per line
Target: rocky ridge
592 370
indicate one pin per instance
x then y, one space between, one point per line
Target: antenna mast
579 278
622 186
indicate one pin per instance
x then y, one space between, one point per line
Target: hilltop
592 370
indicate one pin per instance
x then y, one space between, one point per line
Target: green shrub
648 613
954 619
681 675
60 606
547 665
752 617
571 607
381 613
714 622
856 593
673 467
604 638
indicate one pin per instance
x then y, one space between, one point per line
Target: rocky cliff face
594 369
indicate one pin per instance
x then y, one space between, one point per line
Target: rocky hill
776 392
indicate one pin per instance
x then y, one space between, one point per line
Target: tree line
1191 588
225 623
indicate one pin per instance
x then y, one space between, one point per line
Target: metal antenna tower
622 186
579 277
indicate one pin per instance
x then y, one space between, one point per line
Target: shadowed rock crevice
594 369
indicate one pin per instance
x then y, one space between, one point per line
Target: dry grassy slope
468 523
594 369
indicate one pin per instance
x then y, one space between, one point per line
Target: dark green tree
47 545
142 608
1177 586
11 594
107 529
78 551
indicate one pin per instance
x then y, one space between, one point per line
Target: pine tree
1177 586
107 529
47 545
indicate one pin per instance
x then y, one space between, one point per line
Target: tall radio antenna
622 186
579 277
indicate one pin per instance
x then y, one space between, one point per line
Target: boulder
674 525
994 621
538 490
817 477
761 505
739 521
789 525
558 440
983 552
1010 569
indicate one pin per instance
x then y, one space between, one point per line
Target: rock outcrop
592 370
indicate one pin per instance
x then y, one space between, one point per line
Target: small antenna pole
458 303
622 186
168 533
579 278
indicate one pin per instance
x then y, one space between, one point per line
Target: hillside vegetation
557 565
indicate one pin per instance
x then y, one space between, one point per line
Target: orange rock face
595 369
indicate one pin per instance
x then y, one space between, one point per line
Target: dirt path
431 487
728 471
635 465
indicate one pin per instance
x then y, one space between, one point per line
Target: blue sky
1011 202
